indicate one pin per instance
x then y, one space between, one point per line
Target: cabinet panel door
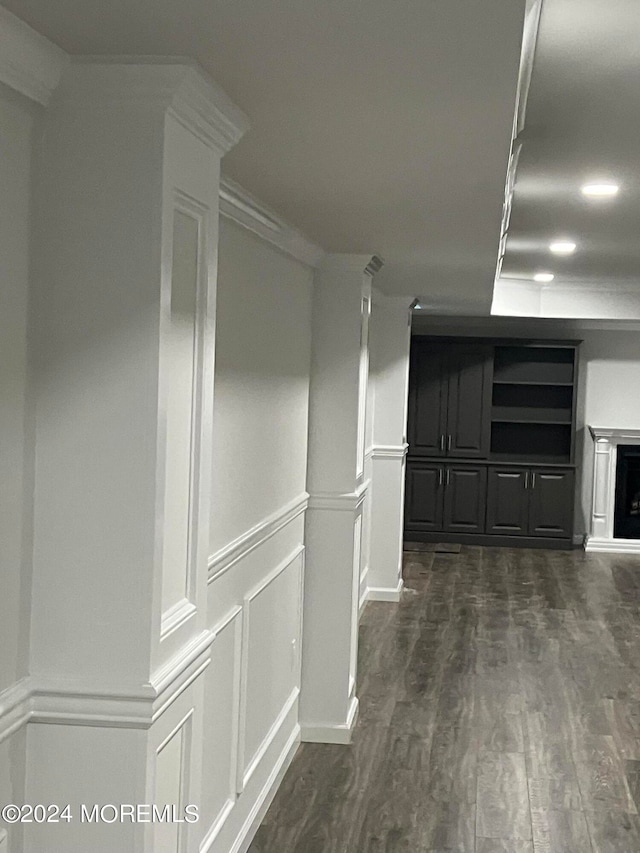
508 501
469 400
423 501
551 504
427 400
464 498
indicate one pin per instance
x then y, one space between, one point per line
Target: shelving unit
491 442
533 402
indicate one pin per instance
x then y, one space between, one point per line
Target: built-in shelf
530 421
530 459
531 382
531 414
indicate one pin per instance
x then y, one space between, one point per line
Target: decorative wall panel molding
56 702
29 63
248 763
230 554
240 206
15 707
340 501
390 451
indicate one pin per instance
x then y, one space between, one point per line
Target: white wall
261 398
609 376
610 397
17 117
261 382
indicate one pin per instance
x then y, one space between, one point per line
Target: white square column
121 341
390 345
337 488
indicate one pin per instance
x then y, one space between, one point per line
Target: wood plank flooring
500 713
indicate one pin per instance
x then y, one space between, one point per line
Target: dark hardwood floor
500 713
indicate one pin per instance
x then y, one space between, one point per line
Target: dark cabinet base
492 540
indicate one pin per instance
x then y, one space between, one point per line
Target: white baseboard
579 538
384 593
613 546
264 800
328 733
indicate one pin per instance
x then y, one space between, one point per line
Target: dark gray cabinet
551 503
450 400
464 498
524 501
468 400
491 433
428 400
445 497
508 501
423 496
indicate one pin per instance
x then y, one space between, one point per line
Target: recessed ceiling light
562 247
543 276
603 190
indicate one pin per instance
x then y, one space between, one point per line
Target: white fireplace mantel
605 460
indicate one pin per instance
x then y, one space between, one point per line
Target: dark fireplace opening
626 523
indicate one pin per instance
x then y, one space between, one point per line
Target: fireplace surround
615 515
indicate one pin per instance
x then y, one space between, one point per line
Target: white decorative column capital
354 263
29 63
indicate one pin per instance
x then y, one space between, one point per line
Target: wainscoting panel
271 648
172 784
251 726
221 722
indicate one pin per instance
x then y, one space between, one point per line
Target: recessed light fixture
562 247
606 189
544 276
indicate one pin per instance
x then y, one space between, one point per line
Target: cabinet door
508 501
423 501
464 498
427 399
469 400
551 504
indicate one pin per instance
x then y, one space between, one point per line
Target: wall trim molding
15 707
271 735
340 733
266 795
340 501
135 706
612 546
29 62
246 210
364 591
390 451
384 593
230 554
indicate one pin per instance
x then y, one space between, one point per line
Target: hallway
499 713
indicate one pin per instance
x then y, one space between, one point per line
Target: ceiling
582 124
377 125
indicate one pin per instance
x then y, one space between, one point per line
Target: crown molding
245 209
29 63
174 85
